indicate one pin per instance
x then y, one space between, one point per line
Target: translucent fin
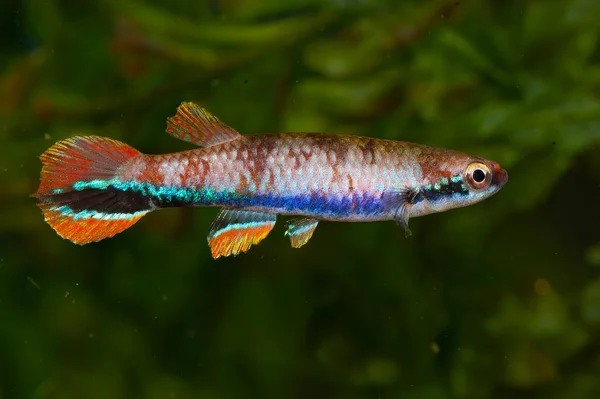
196 125
76 193
300 230
235 231
400 202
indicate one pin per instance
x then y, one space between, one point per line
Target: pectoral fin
400 201
401 217
234 231
300 230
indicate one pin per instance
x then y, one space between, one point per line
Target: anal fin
196 125
300 230
234 231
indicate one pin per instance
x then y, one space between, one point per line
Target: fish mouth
499 176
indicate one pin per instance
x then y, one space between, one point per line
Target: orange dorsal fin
196 125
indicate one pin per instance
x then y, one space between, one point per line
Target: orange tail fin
80 194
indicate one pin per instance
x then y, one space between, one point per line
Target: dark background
496 300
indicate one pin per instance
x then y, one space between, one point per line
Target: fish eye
478 176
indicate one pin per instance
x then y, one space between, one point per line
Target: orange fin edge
196 125
235 231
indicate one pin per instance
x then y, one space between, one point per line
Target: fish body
254 178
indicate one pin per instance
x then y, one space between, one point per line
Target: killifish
94 187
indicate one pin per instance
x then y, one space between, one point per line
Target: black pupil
478 175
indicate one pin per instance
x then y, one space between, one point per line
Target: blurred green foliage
497 300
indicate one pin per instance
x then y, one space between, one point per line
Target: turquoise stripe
317 204
161 193
295 230
237 226
67 211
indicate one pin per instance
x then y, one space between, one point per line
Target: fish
92 188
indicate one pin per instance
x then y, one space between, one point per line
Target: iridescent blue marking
300 230
445 189
67 211
240 225
296 230
160 193
313 203
58 191
97 184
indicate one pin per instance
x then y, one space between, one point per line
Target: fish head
464 180
483 178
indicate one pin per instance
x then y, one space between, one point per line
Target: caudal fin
80 194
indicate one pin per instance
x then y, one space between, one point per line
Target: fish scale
92 187
280 167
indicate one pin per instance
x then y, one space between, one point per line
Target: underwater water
496 300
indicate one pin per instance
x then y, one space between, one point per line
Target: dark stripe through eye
445 188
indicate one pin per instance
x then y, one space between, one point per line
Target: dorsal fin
196 125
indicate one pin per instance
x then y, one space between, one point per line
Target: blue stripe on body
316 204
